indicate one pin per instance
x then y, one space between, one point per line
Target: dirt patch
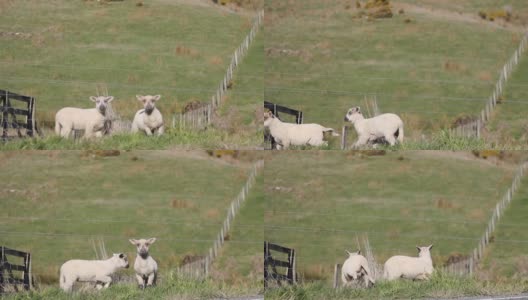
454 16
192 105
189 258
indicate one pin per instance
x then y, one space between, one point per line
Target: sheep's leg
140 281
148 131
150 280
88 132
362 140
390 139
99 134
160 130
106 280
65 132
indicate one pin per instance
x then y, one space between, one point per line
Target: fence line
200 267
201 117
467 266
473 129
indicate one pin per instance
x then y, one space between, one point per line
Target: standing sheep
286 134
415 268
98 271
355 268
148 119
145 266
388 126
91 120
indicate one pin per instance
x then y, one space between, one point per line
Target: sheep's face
353 114
143 245
424 251
268 118
121 259
149 102
101 102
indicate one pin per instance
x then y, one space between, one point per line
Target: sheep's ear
156 98
430 247
358 252
109 99
133 242
121 255
151 241
93 98
419 250
348 252
139 97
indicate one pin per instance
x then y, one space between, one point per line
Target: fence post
343 137
337 271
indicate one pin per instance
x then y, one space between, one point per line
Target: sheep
98 271
286 134
387 126
91 120
148 119
145 266
355 268
416 268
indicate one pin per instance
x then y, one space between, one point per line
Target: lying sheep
91 120
387 126
148 119
98 271
415 268
286 134
145 266
355 268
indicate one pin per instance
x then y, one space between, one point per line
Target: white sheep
416 268
355 268
286 134
91 120
387 126
145 266
98 271
148 119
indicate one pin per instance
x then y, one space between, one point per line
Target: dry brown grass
181 204
212 213
452 66
216 60
181 50
477 214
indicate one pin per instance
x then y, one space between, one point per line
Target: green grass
56 202
319 202
441 286
506 257
241 264
131 49
322 60
178 50
172 288
211 138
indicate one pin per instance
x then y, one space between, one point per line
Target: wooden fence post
337 272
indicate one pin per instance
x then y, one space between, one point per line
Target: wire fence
467 266
200 118
473 129
200 267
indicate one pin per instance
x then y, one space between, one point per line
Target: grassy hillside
56 203
323 59
506 256
319 202
173 49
